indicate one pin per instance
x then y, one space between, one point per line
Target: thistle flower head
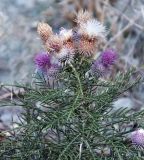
101 66
66 37
66 55
45 64
87 46
65 34
137 137
83 17
76 36
94 29
44 30
98 69
54 44
42 61
108 57
93 34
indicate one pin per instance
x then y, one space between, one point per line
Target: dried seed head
44 30
65 55
67 38
93 35
65 34
83 17
69 44
93 28
54 44
87 46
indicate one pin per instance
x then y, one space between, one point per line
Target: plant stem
78 78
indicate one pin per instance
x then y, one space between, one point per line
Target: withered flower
54 44
67 38
44 30
66 55
93 34
83 17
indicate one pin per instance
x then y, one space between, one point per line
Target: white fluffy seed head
66 55
93 28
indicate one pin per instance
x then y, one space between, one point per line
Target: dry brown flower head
67 37
44 30
87 46
83 17
54 44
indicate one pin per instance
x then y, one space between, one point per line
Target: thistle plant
68 109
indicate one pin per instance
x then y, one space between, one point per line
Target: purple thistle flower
137 138
98 69
45 64
101 66
42 61
108 57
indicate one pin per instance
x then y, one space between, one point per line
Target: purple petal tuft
42 60
108 58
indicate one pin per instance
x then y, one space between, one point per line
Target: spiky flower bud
44 30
